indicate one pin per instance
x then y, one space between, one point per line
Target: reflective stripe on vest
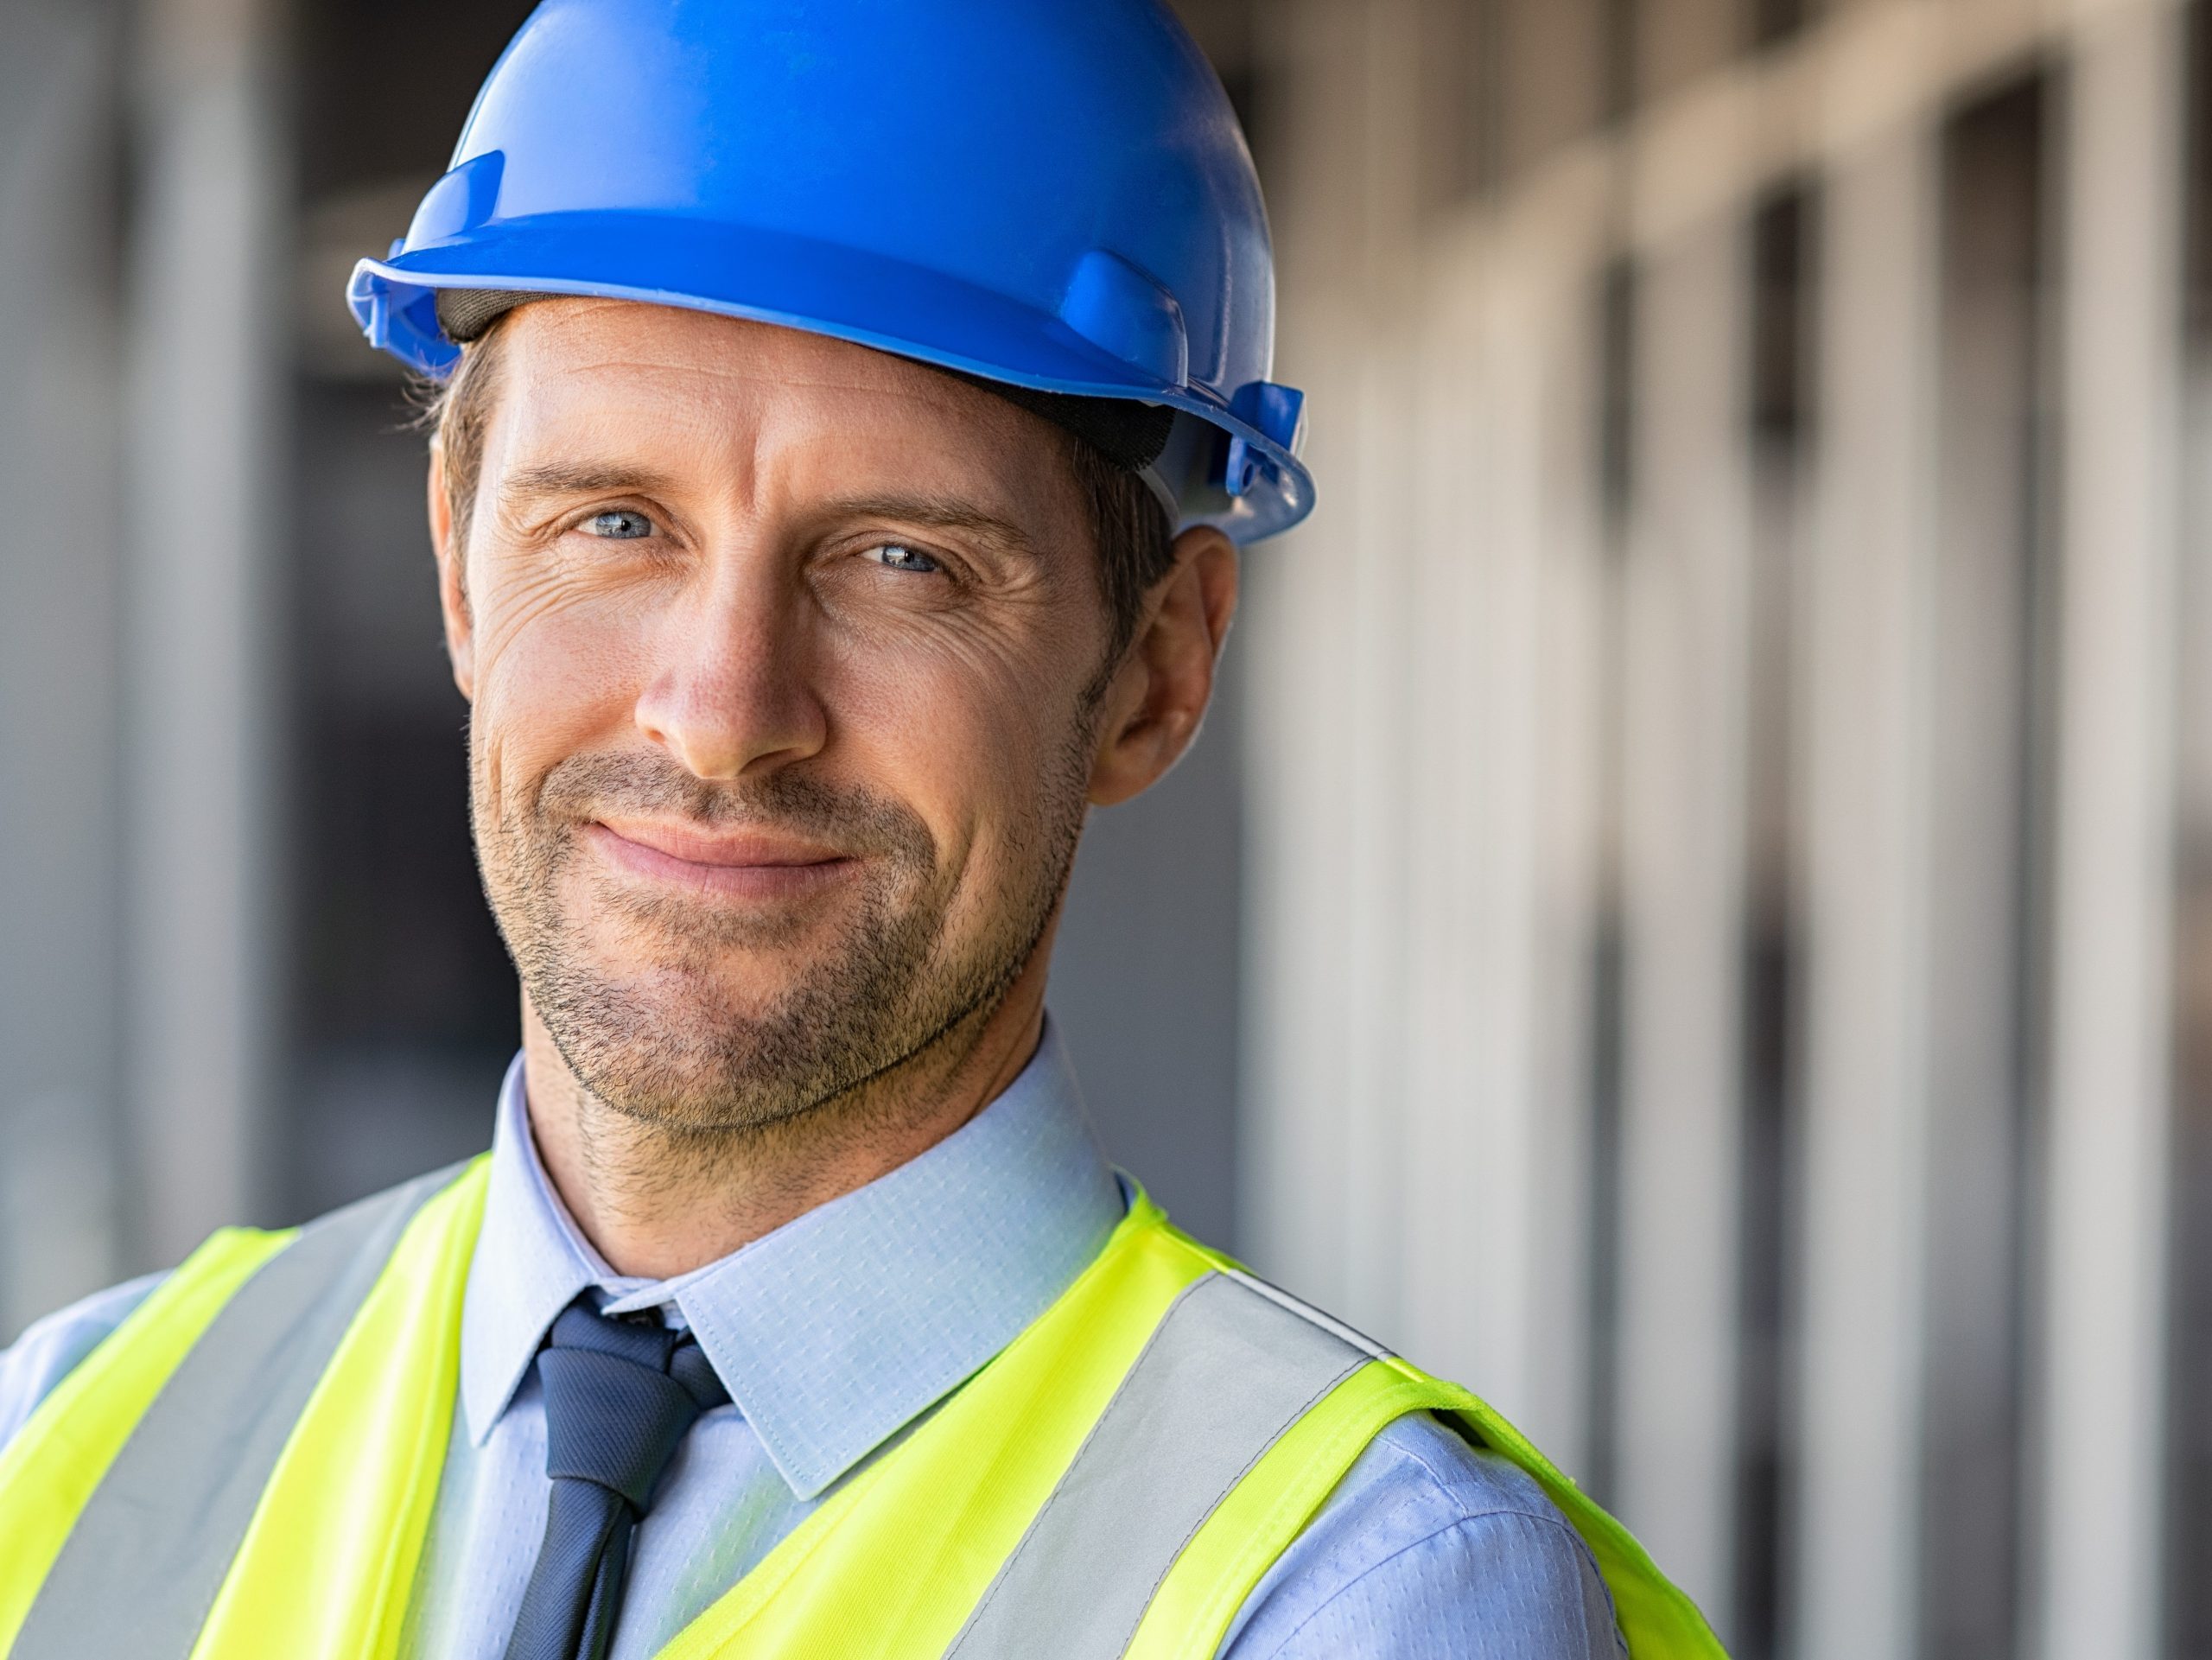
1225 1373
211 1438
1115 1482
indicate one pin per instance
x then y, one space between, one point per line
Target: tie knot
620 1397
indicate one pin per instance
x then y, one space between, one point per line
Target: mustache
584 787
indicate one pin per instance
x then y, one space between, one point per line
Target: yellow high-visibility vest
245 1469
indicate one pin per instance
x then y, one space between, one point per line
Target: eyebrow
579 479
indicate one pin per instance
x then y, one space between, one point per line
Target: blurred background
1694 914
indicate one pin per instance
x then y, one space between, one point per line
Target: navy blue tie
619 1398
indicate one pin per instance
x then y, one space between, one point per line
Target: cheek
975 739
553 677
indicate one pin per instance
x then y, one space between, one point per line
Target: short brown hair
1135 538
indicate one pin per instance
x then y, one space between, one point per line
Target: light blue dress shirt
840 1331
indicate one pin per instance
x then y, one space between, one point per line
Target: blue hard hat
1052 194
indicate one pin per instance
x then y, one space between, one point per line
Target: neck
657 1203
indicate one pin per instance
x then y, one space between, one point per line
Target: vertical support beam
1375 634
1496 811
1862 1360
2098 1435
59 1019
1322 1155
208 334
1297 1087
1563 542
1688 657
1460 1144
1366 634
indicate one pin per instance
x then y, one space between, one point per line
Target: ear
1157 697
453 581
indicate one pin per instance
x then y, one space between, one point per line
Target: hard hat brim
840 292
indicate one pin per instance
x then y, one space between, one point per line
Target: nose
730 694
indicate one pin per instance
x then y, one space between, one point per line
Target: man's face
779 650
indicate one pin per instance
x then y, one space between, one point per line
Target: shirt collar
839 1328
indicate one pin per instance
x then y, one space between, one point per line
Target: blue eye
620 524
899 557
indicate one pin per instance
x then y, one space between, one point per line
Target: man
850 412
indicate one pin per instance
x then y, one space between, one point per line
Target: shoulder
51 1349
1431 1546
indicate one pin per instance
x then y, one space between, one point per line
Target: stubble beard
660 1041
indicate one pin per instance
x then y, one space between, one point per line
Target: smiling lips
723 864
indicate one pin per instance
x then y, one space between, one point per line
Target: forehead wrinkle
620 335
579 444
761 408
751 357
